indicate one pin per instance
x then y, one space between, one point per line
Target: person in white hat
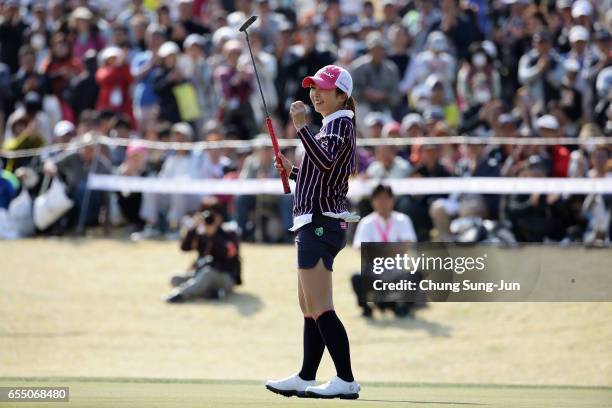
381 95
168 49
541 69
582 12
88 36
235 79
434 59
200 70
373 124
412 125
579 41
63 131
142 69
183 131
573 87
579 34
165 78
111 55
548 126
115 81
478 82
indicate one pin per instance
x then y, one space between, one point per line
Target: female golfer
320 215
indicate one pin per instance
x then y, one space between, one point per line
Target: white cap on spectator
232 45
222 35
155 29
62 128
235 19
110 52
82 13
374 118
547 122
581 8
183 128
389 128
168 48
561 4
437 41
571 65
578 33
603 83
262 140
375 39
410 120
193 39
432 80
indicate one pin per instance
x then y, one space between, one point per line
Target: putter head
247 23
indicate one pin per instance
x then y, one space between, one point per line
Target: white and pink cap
330 77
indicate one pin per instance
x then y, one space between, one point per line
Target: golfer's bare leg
302 299
316 284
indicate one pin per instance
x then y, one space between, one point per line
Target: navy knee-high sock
333 333
313 349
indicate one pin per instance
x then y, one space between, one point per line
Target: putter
284 179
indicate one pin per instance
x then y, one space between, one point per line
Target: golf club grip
284 178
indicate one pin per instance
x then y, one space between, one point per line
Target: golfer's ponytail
350 105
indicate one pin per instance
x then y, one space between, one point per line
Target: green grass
87 314
167 393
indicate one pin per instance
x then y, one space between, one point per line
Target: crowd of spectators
180 71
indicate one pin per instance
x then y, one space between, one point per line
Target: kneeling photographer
217 268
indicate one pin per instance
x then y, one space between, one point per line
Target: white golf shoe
334 388
290 386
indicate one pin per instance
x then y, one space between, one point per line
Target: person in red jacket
60 67
114 79
548 127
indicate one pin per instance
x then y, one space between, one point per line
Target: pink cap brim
321 83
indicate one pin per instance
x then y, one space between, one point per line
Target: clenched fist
298 114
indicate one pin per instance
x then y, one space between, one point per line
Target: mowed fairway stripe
169 393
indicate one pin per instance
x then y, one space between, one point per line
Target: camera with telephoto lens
209 217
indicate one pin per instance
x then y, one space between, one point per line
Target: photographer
217 268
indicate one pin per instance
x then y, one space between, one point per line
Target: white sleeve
359 236
407 233
527 74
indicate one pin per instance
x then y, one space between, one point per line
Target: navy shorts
322 238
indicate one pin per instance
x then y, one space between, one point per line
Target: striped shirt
322 178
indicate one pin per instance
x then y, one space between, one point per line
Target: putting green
146 393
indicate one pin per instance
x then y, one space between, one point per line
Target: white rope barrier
248 144
358 187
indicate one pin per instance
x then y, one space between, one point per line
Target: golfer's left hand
284 164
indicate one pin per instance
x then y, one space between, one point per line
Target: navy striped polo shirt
322 177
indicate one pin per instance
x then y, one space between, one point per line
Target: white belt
304 219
